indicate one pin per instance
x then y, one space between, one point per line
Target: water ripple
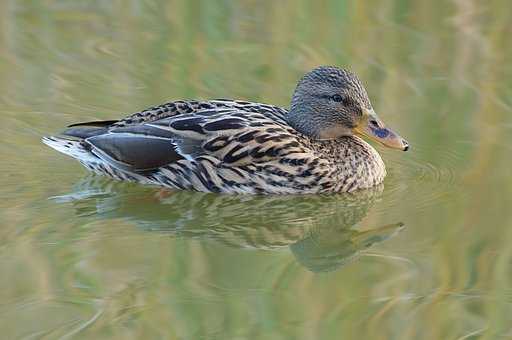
424 177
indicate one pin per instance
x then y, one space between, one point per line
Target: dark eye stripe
331 97
336 97
323 96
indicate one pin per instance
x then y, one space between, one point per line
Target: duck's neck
357 164
307 120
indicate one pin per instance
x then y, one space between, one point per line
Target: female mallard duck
233 146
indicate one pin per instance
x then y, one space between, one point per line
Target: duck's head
330 102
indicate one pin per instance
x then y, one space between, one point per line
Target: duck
240 147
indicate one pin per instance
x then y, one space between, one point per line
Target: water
426 256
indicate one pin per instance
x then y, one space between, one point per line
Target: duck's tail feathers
75 148
80 150
71 141
88 129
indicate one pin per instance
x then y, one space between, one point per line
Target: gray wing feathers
133 152
175 131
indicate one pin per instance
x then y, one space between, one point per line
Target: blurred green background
426 256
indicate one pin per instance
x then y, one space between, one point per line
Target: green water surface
428 255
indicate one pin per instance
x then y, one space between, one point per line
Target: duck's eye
337 98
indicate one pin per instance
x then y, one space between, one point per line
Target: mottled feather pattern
238 147
200 108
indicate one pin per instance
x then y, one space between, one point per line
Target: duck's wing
230 134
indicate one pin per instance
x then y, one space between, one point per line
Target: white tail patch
73 148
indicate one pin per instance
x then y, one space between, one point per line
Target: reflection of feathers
317 227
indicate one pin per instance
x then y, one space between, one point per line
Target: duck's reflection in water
319 229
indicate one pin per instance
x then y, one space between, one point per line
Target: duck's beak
372 127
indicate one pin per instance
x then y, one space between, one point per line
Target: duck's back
201 108
212 146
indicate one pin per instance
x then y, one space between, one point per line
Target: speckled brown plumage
224 146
